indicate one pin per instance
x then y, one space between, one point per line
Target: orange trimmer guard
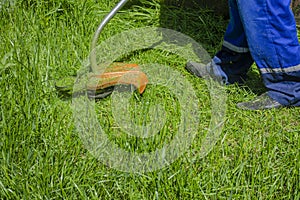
101 85
119 74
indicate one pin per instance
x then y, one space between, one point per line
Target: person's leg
272 38
234 57
233 61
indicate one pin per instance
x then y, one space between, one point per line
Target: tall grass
42 156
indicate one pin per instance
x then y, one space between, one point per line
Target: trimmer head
102 85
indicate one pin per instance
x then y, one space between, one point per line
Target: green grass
42 156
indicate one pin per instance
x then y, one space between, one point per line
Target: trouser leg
234 57
271 33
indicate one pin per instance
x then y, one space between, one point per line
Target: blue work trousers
264 32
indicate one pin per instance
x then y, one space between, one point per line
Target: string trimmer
102 85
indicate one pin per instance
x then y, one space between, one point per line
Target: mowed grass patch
42 156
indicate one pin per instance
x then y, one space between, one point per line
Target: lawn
43 155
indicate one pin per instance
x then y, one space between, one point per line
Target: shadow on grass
254 83
204 25
201 24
